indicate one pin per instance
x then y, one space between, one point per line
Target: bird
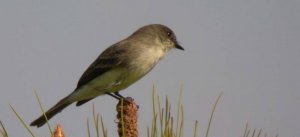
118 67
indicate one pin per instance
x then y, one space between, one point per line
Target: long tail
51 112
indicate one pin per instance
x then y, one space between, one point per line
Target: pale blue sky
250 50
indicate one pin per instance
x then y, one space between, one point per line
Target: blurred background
249 50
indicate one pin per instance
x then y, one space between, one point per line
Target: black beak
177 46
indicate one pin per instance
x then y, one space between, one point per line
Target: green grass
164 124
253 132
96 122
3 130
22 122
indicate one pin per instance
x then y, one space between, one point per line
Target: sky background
249 50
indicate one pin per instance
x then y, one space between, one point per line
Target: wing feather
108 59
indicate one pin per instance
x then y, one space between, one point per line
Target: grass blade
104 131
43 111
212 114
195 130
178 109
22 121
3 133
88 127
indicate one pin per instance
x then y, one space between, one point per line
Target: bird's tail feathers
51 112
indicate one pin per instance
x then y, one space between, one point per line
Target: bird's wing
112 57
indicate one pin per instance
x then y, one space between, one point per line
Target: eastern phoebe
119 66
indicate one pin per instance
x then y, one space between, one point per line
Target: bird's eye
169 34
